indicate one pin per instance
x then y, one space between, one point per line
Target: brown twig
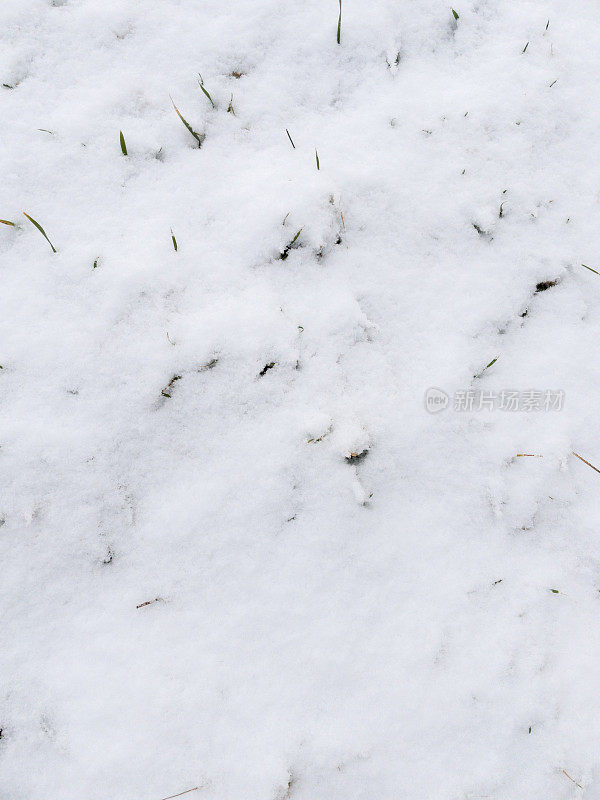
195 789
562 770
148 603
584 461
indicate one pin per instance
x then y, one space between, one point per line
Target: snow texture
237 553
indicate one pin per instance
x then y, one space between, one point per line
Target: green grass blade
290 138
493 361
8 222
289 245
196 136
201 82
166 391
339 27
295 237
583 265
41 230
174 240
455 14
317 157
123 145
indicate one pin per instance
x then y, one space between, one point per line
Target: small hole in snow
352 458
543 285
266 367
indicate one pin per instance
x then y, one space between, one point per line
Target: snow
298 584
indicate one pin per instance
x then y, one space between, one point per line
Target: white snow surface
420 623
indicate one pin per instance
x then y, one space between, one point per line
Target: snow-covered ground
201 587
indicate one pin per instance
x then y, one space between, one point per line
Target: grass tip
198 137
201 82
41 230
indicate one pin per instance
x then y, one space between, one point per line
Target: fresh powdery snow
290 507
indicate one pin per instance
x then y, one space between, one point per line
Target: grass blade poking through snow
123 145
456 15
8 222
583 265
201 82
41 230
289 245
492 362
290 138
317 157
339 28
174 240
196 136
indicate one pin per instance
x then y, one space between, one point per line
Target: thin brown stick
148 603
585 462
195 789
568 776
